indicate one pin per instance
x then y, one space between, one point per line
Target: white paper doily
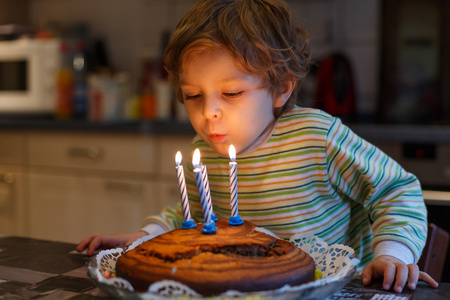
334 261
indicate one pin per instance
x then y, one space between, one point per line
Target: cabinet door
169 192
12 208
67 208
122 153
12 147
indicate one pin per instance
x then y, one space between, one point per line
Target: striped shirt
313 174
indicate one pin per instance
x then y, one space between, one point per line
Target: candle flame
232 153
178 158
196 158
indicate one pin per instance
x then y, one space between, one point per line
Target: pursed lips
217 138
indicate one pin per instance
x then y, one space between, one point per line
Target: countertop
171 127
372 132
40 269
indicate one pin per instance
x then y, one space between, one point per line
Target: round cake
233 258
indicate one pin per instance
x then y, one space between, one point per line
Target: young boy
237 66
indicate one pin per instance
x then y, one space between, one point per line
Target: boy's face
225 104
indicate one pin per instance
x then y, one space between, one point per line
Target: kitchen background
134 31
389 60
350 31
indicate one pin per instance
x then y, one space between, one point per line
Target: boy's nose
211 109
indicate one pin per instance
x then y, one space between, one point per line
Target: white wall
134 28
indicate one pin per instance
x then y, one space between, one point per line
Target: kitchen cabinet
95 152
83 183
70 206
12 206
61 185
12 192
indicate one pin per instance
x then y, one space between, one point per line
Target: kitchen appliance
28 75
335 89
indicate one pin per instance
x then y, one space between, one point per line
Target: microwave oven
28 75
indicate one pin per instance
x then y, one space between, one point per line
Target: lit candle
208 191
187 220
235 218
208 225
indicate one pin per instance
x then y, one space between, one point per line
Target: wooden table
38 269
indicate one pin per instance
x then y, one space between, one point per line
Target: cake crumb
174 269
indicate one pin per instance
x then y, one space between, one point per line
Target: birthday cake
233 258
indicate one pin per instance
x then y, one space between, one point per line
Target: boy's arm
394 249
391 196
393 201
169 219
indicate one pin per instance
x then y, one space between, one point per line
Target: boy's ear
284 93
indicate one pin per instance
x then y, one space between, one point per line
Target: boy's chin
221 149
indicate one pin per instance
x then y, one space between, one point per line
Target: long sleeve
169 219
391 196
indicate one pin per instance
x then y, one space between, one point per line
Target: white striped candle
233 181
201 187
207 190
182 187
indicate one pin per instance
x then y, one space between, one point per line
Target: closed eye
190 97
233 95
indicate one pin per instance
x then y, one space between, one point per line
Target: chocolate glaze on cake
234 258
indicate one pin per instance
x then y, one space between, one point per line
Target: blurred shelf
166 127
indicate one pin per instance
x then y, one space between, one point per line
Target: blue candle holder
213 217
188 224
209 228
235 220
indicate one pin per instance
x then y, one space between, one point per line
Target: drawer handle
94 153
7 178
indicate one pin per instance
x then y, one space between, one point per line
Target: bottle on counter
108 95
95 98
125 99
80 100
147 93
64 84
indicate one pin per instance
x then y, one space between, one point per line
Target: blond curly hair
261 35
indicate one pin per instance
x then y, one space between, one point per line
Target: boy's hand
393 270
104 241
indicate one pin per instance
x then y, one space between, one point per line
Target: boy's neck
263 137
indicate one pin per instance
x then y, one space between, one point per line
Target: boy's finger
366 275
94 245
389 276
428 279
401 277
413 276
